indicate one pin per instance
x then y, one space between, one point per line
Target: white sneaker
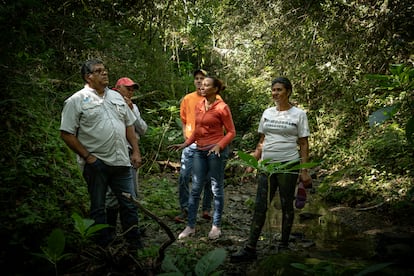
215 233
188 231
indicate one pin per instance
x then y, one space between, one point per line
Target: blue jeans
187 156
111 201
99 177
207 168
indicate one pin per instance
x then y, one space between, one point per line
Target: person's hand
128 102
247 174
136 160
215 150
177 146
305 178
91 159
248 170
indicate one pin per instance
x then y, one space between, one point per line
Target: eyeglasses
130 88
100 71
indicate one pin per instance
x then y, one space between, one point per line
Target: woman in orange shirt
213 116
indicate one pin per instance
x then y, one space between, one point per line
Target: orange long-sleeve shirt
187 112
209 125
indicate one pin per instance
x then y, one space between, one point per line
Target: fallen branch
371 207
173 165
164 245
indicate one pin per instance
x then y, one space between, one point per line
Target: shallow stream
323 243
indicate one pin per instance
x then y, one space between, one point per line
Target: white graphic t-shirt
282 130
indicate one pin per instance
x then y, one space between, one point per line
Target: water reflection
315 223
320 236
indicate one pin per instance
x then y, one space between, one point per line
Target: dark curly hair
285 81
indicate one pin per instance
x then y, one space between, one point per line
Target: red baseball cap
126 82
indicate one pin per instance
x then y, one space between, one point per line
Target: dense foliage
327 48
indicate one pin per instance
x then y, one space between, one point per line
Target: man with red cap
125 86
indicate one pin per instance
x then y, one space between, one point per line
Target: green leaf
79 226
307 165
179 123
396 69
269 167
248 159
286 167
409 131
382 115
217 273
86 227
373 268
273 167
43 255
168 265
56 243
300 266
95 228
377 77
209 262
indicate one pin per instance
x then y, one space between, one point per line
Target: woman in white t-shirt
283 128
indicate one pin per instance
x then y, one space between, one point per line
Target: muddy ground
236 221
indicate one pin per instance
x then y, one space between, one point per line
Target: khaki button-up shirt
100 124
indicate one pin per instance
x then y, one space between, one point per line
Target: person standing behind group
282 128
213 117
126 87
97 125
187 115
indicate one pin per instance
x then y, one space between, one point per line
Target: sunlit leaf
381 115
307 165
248 159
